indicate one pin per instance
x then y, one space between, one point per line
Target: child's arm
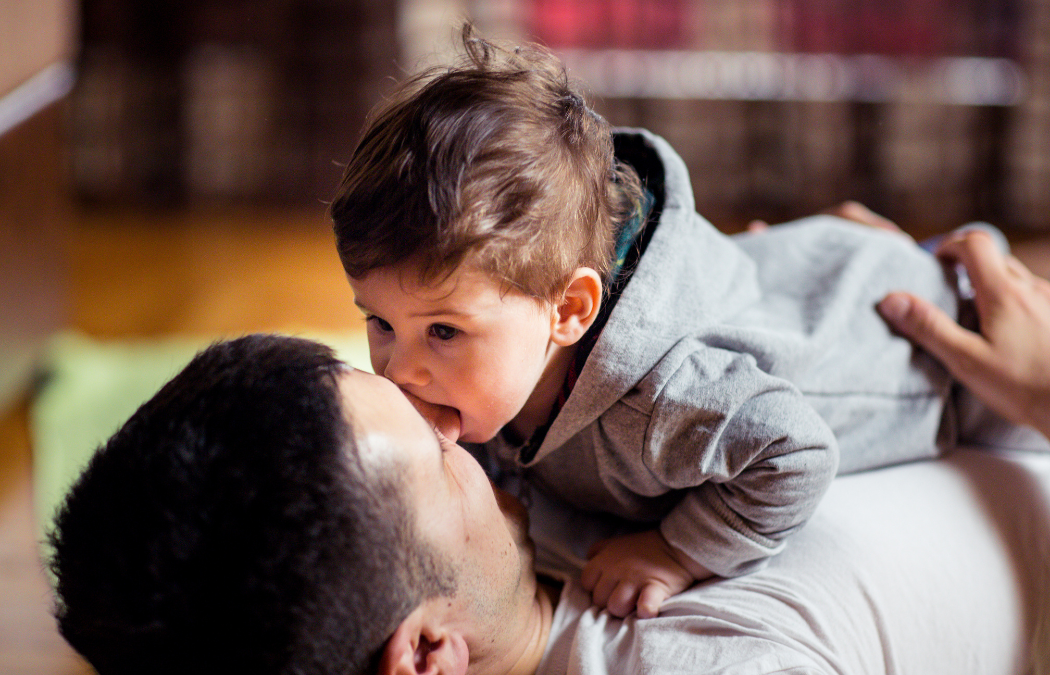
748 455
759 490
638 570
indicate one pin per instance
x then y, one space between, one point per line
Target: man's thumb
928 326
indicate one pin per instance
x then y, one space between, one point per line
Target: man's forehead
359 388
382 421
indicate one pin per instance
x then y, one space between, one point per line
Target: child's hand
636 569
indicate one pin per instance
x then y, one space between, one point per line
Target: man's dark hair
231 527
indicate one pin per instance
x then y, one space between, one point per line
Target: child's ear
422 645
579 307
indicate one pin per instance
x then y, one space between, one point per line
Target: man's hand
1007 365
859 213
848 210
635 570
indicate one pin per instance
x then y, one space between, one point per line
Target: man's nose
406 367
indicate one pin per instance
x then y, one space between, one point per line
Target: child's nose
406 368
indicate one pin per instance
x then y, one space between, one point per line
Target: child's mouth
447 421
445 418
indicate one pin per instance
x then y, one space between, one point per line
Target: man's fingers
929 327
859 213
985 264
650 600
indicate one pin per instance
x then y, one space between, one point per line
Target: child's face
464 343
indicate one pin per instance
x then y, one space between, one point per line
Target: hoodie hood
690 278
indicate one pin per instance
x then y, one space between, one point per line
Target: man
271 511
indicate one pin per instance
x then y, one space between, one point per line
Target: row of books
765 132
914 28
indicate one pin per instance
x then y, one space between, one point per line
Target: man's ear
423 645
579 307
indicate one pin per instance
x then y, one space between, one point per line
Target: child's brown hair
496 160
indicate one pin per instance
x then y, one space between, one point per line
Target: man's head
267 511
476 222
496 618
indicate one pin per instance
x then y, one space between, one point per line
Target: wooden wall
36 44
33 35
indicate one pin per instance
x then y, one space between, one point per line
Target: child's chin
475 436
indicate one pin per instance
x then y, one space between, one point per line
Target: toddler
545 285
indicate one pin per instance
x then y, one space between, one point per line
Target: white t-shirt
927 568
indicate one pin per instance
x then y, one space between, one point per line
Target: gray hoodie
737 375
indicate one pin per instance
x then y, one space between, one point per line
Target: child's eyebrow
443 311
438 311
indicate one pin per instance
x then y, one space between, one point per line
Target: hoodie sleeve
751 455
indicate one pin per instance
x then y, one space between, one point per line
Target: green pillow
90 387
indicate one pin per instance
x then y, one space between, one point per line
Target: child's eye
442 332
380 324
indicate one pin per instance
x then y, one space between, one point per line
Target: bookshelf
220 101
933 112
930 111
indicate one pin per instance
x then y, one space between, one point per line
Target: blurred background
928 110
164 165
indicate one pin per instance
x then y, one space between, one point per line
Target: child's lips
448 422
445 418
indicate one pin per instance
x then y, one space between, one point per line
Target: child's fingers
590 575
597 547
623 599
603 589
650 600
